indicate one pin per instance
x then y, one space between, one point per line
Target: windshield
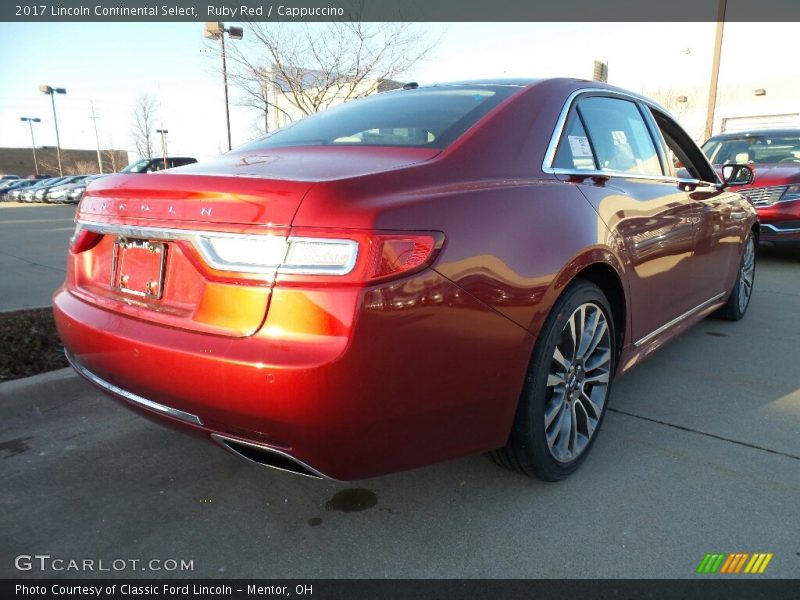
138 167
759 150
422 118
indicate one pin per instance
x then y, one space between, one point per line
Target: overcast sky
112 64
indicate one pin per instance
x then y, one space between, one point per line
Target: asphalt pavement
699 453
33 250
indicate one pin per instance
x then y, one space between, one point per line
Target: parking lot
699 453
33 240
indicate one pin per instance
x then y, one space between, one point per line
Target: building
757 104
19 161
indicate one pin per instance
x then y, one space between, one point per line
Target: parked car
410 277
40 195
774 156
12 192
70 193
8 178
29 193
149 165
8 182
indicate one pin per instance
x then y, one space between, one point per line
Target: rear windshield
762 149
426 117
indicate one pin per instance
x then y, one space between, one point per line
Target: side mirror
736 174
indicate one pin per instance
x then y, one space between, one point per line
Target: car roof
575 82
171 158
753 133
516 82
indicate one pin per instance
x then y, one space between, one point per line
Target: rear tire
736 306
566 388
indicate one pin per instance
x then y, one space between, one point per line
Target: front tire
736 306
566 388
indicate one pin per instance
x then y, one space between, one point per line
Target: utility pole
163 133
712 90
96 137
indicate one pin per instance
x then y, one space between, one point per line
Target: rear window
762 149
425 117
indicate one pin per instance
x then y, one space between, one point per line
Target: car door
721 224
609 149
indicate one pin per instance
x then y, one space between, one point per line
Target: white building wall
781 103
285 111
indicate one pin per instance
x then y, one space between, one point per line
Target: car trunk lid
138 248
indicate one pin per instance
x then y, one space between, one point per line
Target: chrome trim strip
224 440
626 175
136 399
200 240
677 320
778 230
550 153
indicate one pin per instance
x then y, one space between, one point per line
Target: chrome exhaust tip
266 456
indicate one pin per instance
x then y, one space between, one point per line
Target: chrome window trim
555 138
677 320
130 396
623 174
199 239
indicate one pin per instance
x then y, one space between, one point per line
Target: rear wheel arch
606 277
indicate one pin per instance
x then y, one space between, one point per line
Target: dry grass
29 344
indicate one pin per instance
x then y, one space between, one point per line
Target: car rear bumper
407 387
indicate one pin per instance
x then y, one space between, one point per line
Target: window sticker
579 144
620 139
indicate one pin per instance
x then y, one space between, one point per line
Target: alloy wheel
747 273
577 382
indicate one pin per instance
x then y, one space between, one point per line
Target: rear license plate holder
138 267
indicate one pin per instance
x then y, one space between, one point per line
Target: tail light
83 239
304 255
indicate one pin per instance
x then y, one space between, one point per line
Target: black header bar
398 10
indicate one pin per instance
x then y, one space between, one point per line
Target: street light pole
31 121
712 91
164 133
216 31
96 138
225 81
51 91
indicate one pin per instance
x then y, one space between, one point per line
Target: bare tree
311 66
143 124
113 160
84 167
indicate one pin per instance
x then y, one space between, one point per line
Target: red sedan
407 278
774 157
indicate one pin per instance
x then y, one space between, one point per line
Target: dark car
410 277
149 165
774 156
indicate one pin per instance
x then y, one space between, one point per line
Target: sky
112 64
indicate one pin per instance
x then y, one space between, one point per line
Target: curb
11 310
19 385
